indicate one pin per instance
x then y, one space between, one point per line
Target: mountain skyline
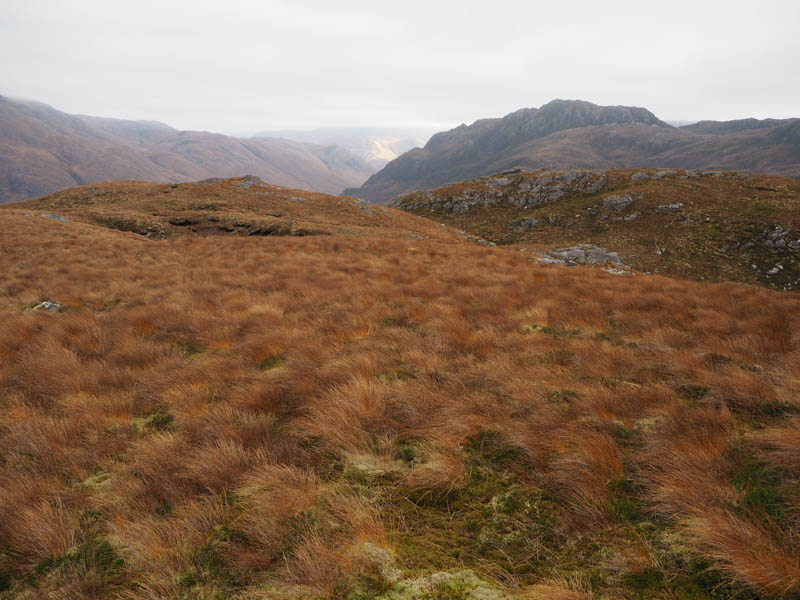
43 150
568 134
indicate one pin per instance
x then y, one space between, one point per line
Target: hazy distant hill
43 150
377 146
577 134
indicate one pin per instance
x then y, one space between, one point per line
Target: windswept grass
328 416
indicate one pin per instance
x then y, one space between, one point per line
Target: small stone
669 208
54 216
50 306
615 271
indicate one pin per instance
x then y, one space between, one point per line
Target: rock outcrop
522 189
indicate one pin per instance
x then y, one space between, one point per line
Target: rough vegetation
386 411
709 225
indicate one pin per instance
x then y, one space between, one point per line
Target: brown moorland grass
215 414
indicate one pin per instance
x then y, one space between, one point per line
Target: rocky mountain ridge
576 134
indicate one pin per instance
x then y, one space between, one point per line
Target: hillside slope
575 134
237 390
693 224
43 150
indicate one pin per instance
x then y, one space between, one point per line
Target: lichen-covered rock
584 254
519 188
617 203
669 208
249 181
524 224
660 174
498 182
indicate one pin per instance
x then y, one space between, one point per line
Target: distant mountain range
376 145
576 134
43 150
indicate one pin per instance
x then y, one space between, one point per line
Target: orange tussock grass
323 558
235 377
43 530
585 473
782 445
752 550
351 413
271 495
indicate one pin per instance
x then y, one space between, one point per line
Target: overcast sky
245 65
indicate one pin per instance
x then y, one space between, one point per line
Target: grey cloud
244 65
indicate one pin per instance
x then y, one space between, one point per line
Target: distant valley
377 146
566 134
